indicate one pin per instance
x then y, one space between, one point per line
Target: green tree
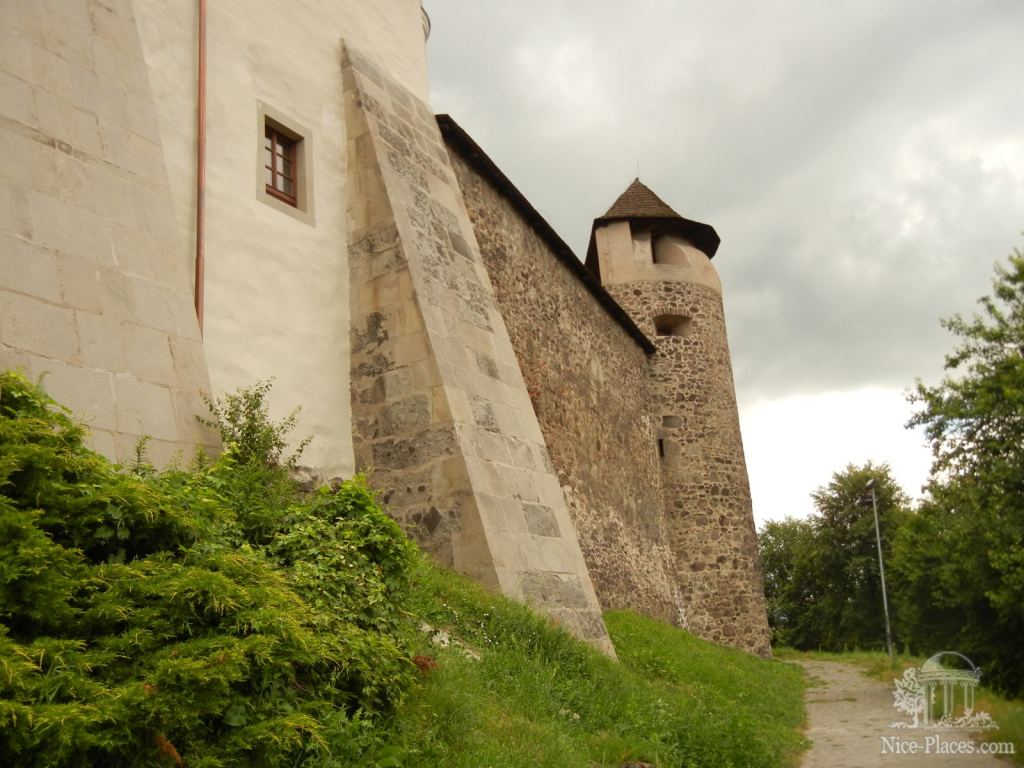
962 561
847 553
790 581
822 581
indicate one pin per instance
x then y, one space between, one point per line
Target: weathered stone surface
590 388
553 590
706 493
541 520
647 449
441 413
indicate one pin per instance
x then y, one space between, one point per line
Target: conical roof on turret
638 203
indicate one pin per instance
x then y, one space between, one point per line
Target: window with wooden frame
280 165
283 171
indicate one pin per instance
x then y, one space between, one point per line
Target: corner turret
657 266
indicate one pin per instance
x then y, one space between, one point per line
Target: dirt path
848 717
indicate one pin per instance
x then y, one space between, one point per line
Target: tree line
954 563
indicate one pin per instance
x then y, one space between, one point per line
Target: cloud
860 160
858 287
863 163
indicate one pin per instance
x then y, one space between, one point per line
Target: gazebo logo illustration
949 678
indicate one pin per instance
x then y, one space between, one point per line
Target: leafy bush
146 620
243 419
258 484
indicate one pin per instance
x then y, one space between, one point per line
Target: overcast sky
862 161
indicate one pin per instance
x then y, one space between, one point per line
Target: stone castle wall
589 383
276 282
706 491
95 291
501 405
443 420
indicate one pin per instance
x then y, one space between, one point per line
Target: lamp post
881 567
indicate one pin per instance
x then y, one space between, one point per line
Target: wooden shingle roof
639 202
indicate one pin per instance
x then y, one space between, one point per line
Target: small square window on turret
673 325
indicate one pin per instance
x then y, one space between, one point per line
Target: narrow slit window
279 165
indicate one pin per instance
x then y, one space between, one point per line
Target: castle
563 432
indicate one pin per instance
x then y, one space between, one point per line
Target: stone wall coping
459 141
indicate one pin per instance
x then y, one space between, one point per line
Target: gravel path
848 717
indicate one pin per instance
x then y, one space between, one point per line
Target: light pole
881 567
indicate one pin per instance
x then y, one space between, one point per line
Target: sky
862 161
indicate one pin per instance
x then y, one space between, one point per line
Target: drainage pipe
201 169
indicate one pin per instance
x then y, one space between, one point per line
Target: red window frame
279 154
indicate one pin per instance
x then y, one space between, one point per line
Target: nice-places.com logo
939 700
948 678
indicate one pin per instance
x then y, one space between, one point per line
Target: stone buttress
657 266
442 417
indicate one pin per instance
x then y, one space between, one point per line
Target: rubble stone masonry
706 492
588 380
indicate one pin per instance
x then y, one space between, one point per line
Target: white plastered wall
277 294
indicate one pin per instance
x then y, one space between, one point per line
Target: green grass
1010 716
1008 713
216 616
512 690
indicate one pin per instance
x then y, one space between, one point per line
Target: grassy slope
262 622
1008 713
535 697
